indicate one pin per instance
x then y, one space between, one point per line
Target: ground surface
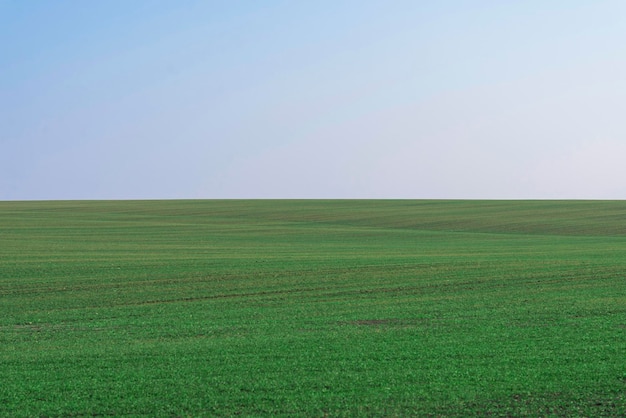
313 308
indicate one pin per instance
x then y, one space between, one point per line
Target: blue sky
312 99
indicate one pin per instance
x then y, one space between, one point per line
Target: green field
313 308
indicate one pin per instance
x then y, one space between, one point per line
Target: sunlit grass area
313 308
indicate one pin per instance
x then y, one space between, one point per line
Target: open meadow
312 308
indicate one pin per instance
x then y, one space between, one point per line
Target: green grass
313 308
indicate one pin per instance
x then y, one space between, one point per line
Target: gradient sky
147 99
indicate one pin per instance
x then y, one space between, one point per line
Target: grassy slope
312 307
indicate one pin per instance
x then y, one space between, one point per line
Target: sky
393 99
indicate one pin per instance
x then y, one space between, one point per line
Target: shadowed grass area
313 308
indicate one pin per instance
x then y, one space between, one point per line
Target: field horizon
313 307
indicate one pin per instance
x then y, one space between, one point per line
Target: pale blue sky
139 99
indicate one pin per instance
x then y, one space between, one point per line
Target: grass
313 308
